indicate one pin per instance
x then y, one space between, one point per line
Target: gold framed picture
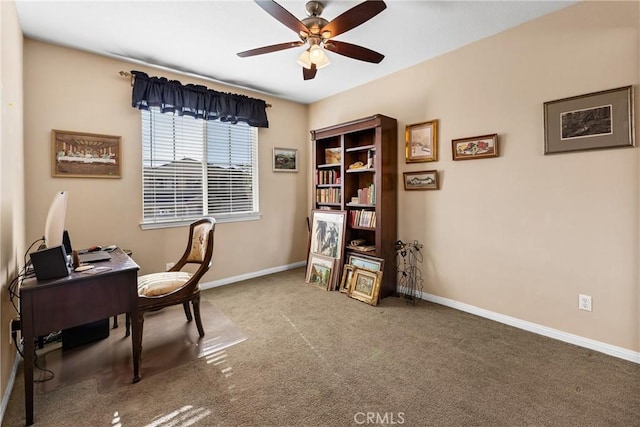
85 155
422 142
365 285
347 275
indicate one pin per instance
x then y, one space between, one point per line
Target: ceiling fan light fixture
316 54
304 59
323 62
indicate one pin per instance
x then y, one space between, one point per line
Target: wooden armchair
160 290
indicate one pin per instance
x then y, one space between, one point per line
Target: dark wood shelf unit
373 142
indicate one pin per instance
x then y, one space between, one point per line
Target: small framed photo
85 155
320 271
365 261
422 142
476 147
421 180
285 160
347 275
365 285
593 121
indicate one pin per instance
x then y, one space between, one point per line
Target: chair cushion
156 284
199 242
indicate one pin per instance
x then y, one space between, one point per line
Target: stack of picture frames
361 277
326 248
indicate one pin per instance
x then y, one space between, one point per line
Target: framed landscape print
365 285
593 121
365 261
327 232
421 180
285 160
320 271
422 142
85 155
477 147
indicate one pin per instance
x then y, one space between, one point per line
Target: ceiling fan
318 33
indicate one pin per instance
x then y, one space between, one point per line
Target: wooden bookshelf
368 191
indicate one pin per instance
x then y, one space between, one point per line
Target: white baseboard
611 350
252 275
10 384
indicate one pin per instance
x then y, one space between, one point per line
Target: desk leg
136 337
28 350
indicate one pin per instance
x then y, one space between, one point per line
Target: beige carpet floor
318 358
169 341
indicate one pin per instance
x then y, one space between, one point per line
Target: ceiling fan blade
309 73
282 15
269 49
354 51
354 17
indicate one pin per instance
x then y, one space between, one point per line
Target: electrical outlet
169 265
584 302
14 328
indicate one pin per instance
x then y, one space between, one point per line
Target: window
193 168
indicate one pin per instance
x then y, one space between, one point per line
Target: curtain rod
128 74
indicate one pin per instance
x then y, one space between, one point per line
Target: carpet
168 341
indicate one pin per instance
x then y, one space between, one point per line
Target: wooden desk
52 305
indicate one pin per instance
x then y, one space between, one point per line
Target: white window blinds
193 168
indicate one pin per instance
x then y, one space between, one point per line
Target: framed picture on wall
593 121
421 180
477 147
422 142
285 159
85 155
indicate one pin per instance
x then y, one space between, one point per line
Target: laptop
83 254
96 256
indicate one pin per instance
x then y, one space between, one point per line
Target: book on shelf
328 195
367 195
332 156
327 177
362 218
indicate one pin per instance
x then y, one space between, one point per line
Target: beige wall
11 178
520 235
71 90
523 234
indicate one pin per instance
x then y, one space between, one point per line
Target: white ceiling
202 38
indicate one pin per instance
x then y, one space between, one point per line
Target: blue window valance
196 101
